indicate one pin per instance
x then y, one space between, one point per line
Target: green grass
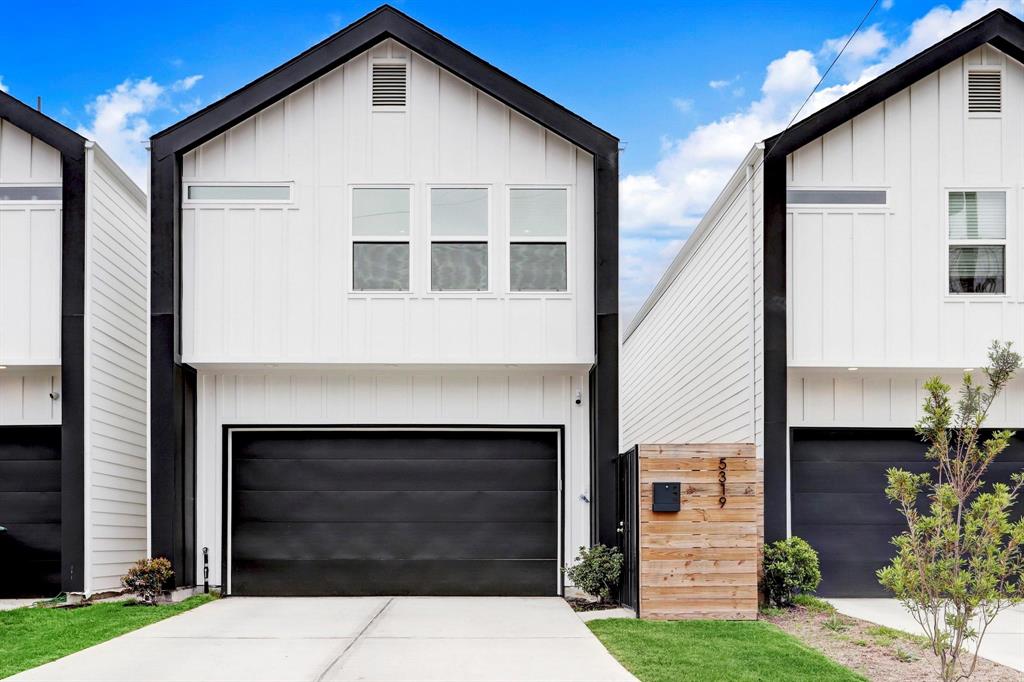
884 636
813 604
33 636
733 651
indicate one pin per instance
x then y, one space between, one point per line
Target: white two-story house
384 323
74 254
872 245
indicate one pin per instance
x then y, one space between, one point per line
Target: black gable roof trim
998 28
384 22
35 123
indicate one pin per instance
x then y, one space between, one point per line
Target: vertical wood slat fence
702 561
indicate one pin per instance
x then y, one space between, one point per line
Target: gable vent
984 92
389 84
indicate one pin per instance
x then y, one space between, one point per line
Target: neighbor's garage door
394 512
838 503
30 511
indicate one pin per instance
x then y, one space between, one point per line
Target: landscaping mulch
579 604
879 653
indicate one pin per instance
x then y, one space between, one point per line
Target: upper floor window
538 230
239 193
977 242
380 239
458 239
30 193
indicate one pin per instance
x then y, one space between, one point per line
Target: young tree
961 562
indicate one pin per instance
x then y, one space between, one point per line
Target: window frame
186 201
1005 242
568 240
354 239
486 239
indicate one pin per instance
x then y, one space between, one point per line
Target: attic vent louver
984 92
389 84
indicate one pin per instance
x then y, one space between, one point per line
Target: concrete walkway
1003 643
380 639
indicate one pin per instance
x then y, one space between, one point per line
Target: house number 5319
722 477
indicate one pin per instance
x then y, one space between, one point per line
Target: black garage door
394 512
30 511
838 503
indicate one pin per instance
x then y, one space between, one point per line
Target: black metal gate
628 530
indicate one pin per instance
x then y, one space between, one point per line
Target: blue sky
688 87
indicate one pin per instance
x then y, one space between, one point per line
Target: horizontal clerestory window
30 193
241 193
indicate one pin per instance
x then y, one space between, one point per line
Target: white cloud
3 87
887 4
660 207
121 119
682 105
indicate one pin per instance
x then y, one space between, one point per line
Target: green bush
146 579
790 567
597 571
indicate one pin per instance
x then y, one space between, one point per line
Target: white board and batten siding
116 372
30 255
692 367
272 283
867 285
512 397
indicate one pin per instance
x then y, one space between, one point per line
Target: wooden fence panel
704 560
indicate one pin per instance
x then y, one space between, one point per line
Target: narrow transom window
30 193
389 84
458 239
241 193
977 242
984 92
380 238
538 230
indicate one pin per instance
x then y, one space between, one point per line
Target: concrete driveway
380 639
1003 642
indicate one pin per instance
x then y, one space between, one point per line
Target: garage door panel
29 507
384 506
400 474
849 477
30 510
430 445
396 541
839 506
401 512
363 578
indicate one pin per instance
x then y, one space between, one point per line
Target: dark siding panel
838 479
30 509
398 513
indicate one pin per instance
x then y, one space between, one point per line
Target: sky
688 87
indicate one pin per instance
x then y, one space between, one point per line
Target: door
30 511
413 512
838 503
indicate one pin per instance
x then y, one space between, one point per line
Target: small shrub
597 571
146 579
790 567
835 624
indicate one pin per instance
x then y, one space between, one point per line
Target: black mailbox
666 497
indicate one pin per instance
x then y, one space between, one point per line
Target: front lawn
714 650
32 636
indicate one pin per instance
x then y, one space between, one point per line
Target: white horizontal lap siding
868 284
689 369
263 283
30 239
460 397
25 396
116 370
883 398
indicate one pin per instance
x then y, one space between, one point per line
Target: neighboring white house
385 327
74 249
879 243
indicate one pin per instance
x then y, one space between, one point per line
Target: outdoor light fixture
852 369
